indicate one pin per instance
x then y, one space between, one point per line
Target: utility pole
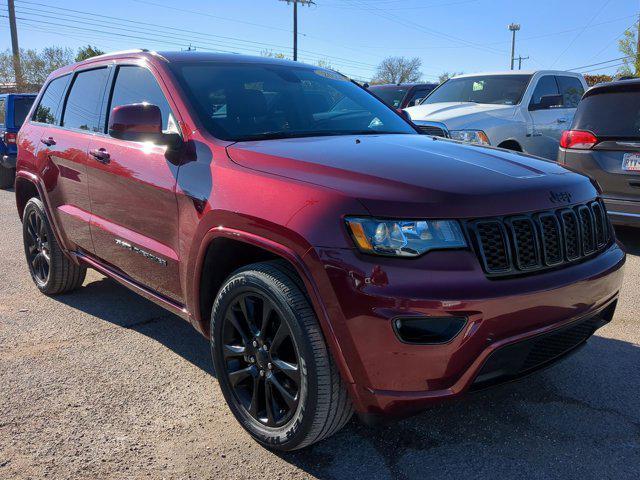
295 23
17 69
520 58
513 27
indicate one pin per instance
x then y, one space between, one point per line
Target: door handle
562 120
48 141
100 155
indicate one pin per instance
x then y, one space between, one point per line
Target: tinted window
3 111
416 97
138 85
21 107
82 109
611 114
572 90
490 89
48 110
392 96
547 85
251 101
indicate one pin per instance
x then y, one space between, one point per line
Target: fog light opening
428 330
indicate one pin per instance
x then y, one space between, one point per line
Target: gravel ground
103 384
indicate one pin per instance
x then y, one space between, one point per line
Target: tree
271 54
398 70
628 46
595 79
88 52
446 76
325 64
36 65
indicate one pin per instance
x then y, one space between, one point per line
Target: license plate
631 162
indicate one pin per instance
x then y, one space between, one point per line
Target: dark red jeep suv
336 259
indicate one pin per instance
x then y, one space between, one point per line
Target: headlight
405 238
470 136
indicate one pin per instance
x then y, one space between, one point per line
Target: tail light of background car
9 138
578 139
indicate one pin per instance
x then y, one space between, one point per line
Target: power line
581 31
599 63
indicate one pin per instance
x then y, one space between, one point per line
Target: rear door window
138 85
610 114
82 109
21 107
49 108
571 90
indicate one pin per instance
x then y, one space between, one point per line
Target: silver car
517 110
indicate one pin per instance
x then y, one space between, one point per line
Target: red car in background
336 259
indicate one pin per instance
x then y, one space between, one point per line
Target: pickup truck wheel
50 269
7 177
271 360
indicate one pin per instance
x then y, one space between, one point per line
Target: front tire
51 271
271 360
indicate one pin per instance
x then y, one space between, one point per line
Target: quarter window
48 110
82 110
572 90
138 85
3 112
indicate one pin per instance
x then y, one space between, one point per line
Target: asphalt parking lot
104 384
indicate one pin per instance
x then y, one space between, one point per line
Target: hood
459 114
417 175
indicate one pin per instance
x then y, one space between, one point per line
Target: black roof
408 85
631 85
197 56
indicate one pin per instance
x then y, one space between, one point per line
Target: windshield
21 106
490 89
253 101
392 96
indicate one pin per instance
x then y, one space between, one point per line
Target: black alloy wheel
37 247
261 359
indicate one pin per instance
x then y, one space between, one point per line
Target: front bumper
363 295
8 161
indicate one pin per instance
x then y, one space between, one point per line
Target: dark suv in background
14 108
402 95
604 143
336 259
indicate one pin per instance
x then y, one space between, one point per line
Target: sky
353 36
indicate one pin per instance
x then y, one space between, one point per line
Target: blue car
14 108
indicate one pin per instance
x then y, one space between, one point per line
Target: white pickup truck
518 110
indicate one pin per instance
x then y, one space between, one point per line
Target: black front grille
519 359
519 244
432 130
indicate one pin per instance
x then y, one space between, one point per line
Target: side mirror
548 101
140 122
404 114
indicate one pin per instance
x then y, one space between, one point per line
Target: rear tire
7 177
51 271
248 357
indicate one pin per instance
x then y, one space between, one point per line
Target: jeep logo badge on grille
560 197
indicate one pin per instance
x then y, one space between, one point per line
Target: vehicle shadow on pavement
630 237
107 300
579 419
574 420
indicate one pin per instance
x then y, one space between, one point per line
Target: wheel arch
511 144
251 248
